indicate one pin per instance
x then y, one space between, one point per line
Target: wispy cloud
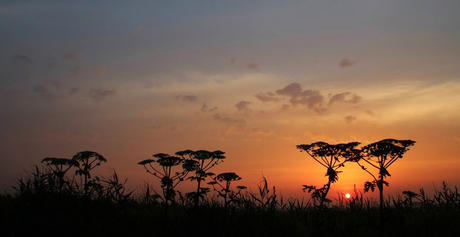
229 120
252 66
21 58
267 97
346 97
190 98
76 56
205 108
350 118
347 63
54 90
140 27
243 106
44 92
312 99
284 108
96 68
232 61
99 94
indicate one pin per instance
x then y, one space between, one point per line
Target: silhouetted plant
114 190
200 162
224 189
381 155
266 201
35 183
88 161
409 196
169 180
332 157
59 167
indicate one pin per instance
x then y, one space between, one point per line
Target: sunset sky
129 79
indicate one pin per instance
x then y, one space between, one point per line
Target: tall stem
323 198
380 186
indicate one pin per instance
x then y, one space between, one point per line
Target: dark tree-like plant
200 162
59 167
227 177
331 157
381 155
88 160
169 180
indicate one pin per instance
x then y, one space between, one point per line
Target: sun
347 195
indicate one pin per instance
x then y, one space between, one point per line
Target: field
43 204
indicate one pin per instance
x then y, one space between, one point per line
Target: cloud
187 98
20 58
204 108
268 97
350 118
292 89
74 90
346 97
72 56
96 68
229 121
140 27
284 108
232 61
54 90
369 112
190 98
252 66
99 94
44 92
243 105
312 99
347 63
78 70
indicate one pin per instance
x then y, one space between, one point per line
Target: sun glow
347 195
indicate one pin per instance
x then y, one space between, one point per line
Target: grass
37 207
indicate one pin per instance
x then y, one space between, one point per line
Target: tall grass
41 206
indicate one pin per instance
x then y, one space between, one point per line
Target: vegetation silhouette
168 179
200 162
381 155
332 157
88 160
49 200
59 167
228 178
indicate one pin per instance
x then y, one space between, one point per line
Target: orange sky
251 79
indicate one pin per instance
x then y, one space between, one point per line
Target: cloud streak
76 56
346 97
313 99
243 106
347 63
99 94
310 98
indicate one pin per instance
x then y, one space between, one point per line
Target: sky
129 79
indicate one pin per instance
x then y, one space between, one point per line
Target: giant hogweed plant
169 179
224 190
200 162
332 157
380 156
89 160
58 168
